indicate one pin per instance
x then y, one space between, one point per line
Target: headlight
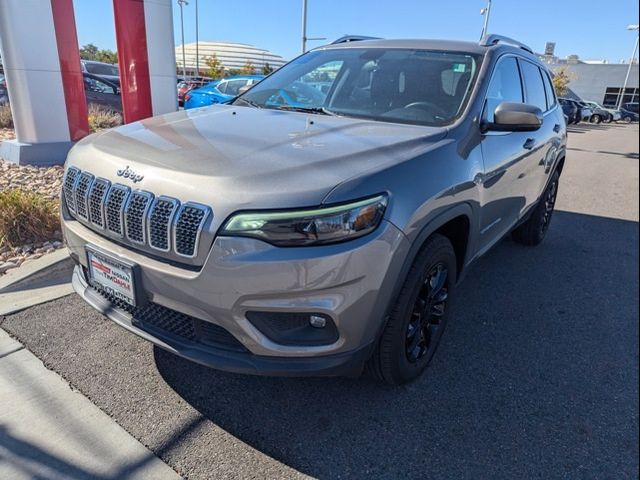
316 226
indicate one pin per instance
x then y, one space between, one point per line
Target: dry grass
101 118
6 120
26 217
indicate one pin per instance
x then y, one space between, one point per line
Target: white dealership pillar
39 49
146 56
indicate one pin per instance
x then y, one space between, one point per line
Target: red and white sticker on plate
113 276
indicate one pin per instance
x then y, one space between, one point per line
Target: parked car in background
585 111
570 109
100 91
103 70
629 112
185 85
4 96
219 91
599 114
317 237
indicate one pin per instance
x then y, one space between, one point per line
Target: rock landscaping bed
28 212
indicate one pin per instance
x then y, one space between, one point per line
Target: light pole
486 12
182 3
304 28
197 47
633 56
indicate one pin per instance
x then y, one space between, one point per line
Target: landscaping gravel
43 180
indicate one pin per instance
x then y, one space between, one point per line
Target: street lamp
486 12
305 39
633 56
182 3
197 46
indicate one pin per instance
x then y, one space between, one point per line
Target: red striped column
146 57
39 49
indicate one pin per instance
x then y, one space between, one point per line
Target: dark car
570 109
103 70
102 92
629 112
599 114
4 96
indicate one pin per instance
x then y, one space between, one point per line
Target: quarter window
505 86
548 88
534 88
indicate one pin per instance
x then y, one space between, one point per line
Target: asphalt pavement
536 375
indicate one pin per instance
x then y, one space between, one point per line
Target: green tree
248 68
215 69
88 52
232 72
561 80
107 56
267 69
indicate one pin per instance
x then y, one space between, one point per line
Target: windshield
393 85
102 69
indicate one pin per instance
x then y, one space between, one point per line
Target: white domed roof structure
231 55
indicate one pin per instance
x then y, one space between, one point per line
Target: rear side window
548 87
533 85
505 86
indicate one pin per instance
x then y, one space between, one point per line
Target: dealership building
595 80
233 56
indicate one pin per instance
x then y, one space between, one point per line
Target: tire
418 316
533 231
626 119
596 118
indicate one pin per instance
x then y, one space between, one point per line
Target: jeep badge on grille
130 174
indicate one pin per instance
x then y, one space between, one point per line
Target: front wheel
596 119
533 231
419 315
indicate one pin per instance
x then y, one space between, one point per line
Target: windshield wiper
251 103
315 110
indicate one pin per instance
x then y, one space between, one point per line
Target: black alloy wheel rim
425 324
549 204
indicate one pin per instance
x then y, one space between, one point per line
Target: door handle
556 127
529 144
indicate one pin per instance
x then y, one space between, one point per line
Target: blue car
219 91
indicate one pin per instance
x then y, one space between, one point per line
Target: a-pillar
146 57
39 47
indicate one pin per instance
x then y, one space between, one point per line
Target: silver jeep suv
319 222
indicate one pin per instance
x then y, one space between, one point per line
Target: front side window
420 87
233 86
505 86
533 85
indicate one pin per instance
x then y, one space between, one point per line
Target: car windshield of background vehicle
393 85
98 69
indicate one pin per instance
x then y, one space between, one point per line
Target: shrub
27 217
6 120
101 118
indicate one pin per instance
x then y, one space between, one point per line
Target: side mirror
515 117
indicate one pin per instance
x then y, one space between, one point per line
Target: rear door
545 144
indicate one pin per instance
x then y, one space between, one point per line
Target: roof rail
353 38
493 39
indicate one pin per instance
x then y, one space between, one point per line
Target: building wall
231 55
590 82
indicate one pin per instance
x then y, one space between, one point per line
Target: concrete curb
53 266
48 430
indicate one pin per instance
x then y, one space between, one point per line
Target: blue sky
593 29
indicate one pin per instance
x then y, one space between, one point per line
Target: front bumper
352 283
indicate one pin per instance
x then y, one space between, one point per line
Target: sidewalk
48 430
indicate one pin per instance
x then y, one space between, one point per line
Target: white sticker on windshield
459 67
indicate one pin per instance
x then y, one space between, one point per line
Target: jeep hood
234 158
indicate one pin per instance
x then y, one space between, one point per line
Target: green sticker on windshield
459 67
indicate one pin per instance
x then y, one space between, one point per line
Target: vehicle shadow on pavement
537 372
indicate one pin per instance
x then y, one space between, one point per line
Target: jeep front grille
136 216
